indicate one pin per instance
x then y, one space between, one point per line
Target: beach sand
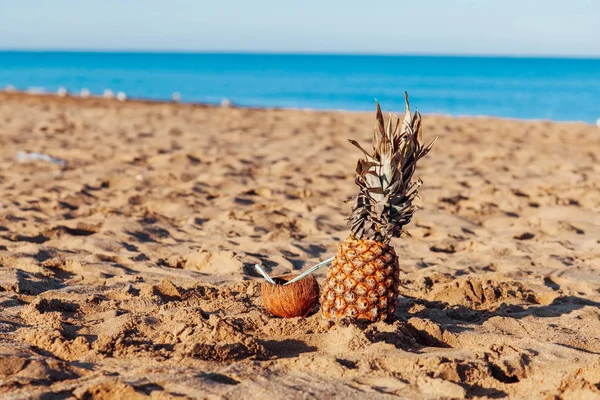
128 273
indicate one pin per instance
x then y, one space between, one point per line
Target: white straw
264 274
311 270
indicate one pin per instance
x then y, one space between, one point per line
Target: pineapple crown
383 205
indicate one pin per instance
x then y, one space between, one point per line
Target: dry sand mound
127 272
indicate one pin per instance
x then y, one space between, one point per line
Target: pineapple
362 282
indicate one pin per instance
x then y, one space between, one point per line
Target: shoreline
146 101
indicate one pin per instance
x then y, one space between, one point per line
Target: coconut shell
288 301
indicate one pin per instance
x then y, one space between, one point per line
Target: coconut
297 299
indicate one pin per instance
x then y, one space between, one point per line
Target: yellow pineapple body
362 282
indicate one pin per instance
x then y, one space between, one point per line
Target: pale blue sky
506 27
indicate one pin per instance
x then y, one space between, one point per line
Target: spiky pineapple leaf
383 205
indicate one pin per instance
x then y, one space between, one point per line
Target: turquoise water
530 88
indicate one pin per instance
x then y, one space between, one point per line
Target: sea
557 89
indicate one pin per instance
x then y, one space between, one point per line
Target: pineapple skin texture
362 282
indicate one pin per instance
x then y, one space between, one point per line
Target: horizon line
297 53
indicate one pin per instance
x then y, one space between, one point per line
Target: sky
460 27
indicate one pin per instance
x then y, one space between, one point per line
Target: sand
128 272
